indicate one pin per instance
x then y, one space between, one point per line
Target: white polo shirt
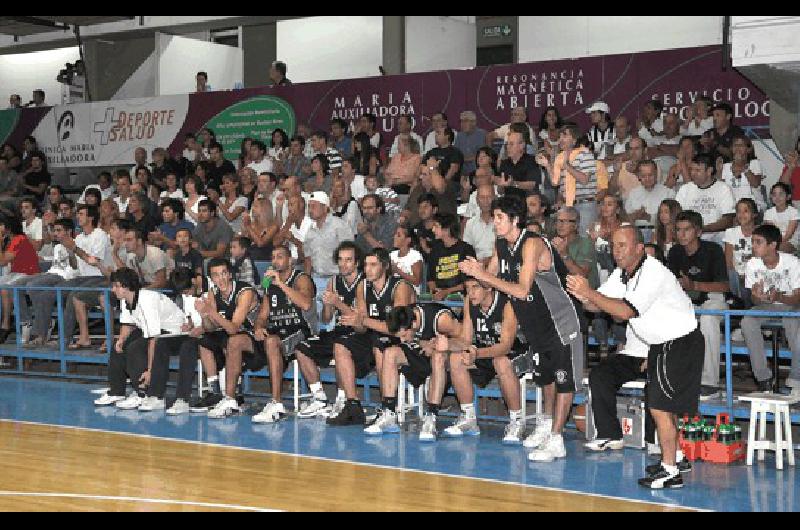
663 310
152 312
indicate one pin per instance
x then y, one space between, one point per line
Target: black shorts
559 363
320 348
360 347
484 371
419 367
290 342
674 371
217 341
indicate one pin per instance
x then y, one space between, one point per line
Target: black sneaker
240 399
662 480
205 403
351 414
684 466
764 386
707 393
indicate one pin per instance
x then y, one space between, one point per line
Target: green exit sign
497 31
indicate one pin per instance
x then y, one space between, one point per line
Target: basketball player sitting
355 353
416 326
485 350
285 319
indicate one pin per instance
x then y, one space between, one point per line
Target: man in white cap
323 238
601 133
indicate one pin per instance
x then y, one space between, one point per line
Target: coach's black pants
131 363
186 349
605 381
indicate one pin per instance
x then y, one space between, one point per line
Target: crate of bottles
725 445
690 436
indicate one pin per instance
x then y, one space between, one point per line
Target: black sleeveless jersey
347 294
286 318
429 320
379 304
227 307
535 314
486 327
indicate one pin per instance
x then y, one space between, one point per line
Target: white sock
468 410
679 456
340 394
555 436
672 470
318 392
515 415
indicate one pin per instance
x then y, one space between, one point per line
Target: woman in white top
549 129
231 204
739 248
784 216
406 260
280 145
744 174
172 191
192 187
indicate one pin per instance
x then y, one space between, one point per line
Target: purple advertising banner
625 82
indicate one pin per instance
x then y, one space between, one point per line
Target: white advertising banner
107 133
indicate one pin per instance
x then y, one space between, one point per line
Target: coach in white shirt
646 294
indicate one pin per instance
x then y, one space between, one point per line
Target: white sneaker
513 433
106 400
272 412
463 426
428 431
226 407
131 402
602 444
551 449
539 435
385 423
179 407
151 404
312 409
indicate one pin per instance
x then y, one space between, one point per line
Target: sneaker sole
652 487
606 447
427 439
181 413
512 442
268 420
381 433
461 435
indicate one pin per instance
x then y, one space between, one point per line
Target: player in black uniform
316 352
283 322
227 311
355 352
416 326
525 268
485 350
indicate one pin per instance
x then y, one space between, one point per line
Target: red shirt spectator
26 260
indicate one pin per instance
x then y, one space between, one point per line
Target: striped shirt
585 163
334 158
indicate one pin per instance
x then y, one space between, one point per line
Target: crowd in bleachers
694 186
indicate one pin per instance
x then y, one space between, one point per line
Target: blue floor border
708 487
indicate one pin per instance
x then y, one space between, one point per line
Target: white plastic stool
523 389
760 406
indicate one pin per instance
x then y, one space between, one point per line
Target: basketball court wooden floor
62 454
